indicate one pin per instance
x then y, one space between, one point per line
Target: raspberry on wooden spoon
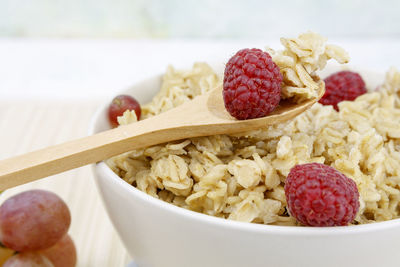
252 84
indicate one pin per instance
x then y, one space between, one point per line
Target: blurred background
233 19
106 45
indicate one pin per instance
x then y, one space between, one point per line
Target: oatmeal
241 177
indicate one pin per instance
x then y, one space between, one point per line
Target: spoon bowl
286 110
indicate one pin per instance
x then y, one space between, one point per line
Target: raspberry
252 84
340 86
319 195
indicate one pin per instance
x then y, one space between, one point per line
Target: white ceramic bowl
158 234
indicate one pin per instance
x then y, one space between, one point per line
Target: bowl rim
101 167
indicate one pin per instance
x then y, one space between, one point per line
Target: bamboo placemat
31 125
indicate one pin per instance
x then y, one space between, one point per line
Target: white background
85 69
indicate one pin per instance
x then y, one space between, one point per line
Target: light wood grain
205 115
31 125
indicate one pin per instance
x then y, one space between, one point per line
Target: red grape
33 220
119 105
28 259
62 254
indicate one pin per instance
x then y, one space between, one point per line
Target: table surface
49 90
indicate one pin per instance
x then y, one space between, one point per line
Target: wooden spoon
204 115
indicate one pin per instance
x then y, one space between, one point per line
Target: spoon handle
171 125
204 115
